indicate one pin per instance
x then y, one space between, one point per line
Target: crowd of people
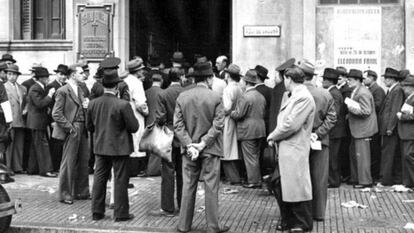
296 139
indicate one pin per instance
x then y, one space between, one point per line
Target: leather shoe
130 216
97 216
182 231
224 229
83 197
252 186
49 174
161 212
130 185
281 227
318 219
67 202
333 186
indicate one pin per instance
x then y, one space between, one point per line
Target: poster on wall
357 38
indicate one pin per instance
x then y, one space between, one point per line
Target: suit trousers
360 158
154 165
334 163
344 157
74 171
191 175
39 158
376 156
102 172
56 151
390 160
251 155
407 149
231 170
319 171
171 174
14 152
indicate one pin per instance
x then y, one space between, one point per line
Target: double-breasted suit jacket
292 133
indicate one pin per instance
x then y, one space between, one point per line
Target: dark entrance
193 27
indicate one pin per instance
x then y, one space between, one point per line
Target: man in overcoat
292 140
112 122
324 121
198 124
69 113
390 150
363 124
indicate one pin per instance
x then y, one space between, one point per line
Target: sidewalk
245 211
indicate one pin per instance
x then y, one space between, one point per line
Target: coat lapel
73 96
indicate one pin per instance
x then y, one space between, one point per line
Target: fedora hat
41 72
408 81
35 66
391 73
178 57
233 69
110 78
110 63
354 73
135 65
306 67
287 64
202 69
7 57
261 72
62 69
371 73
251 76
13 68
330 73
404 73
3 66
341 70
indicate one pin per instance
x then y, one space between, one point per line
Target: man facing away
112 122
198 123
69 113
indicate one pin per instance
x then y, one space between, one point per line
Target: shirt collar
393 85
41 84
332 86
259 84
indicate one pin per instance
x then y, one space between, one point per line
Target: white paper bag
406 108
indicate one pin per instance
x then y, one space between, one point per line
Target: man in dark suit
249 115
362 124
338 132
324 121
112 121
378 93
152 95
198 123
69 113
171 172
56 145
390 150
346 141
37 120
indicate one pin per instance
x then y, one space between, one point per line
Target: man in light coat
324 121
292 139
17 97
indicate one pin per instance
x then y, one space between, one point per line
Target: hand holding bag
157 140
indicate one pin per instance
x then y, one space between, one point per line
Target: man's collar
259 84
249 88
202 84
41 84
393 85
330 87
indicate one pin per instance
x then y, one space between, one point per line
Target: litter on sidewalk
352 204
409 226
230 191
400 189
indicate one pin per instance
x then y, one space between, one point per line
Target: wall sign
357 45
95 31
261 31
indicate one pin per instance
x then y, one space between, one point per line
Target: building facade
361 34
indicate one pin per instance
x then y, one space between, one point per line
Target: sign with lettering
261 31
95 31
357 45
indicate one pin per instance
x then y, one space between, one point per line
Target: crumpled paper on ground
75 217
230 191
409 226
200 209
400 188
352 204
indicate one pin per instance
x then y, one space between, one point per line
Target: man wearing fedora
17 96
390 151
69 113
39 101
406 132
266 91
338 132
198 124
231 94
363 124
249 115
56 145
370 81
177 59
8 59
112 122
323 122
171 172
